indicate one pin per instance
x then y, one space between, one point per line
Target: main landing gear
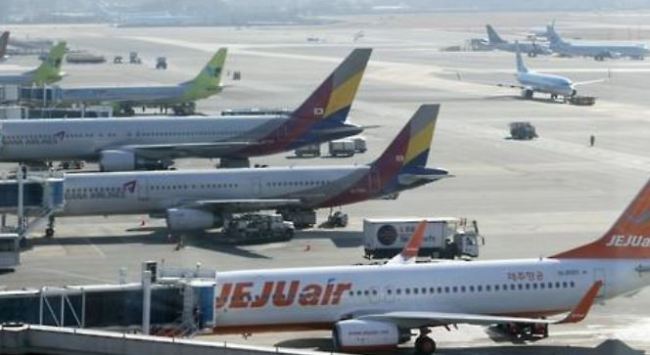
424 345
49 231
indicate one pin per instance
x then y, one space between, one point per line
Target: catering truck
444 238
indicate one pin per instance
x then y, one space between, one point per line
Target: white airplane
198 200
531 81
598 50
120 144
375 307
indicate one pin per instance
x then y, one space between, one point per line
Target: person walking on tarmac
592 140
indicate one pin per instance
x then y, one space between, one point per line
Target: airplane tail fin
493 36
333 98
521 66
208 81
4 41
411 250
50 70
628 238
401 166
403 163
553 37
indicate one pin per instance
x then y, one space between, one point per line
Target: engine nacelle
363 335
120 160
117 160
188 219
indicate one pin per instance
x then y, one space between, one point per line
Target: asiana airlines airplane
193 200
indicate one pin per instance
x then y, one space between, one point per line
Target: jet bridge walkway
177 306
33 198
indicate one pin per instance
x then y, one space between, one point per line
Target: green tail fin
50 70
208 82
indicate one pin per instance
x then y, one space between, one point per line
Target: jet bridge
32 197
175 303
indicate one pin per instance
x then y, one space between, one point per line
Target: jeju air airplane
376 307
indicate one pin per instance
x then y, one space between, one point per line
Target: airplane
4 41
531 81
121 144
192 200
48 72
181 98
533 49
598 50
375 307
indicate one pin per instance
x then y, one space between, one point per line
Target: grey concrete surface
530 198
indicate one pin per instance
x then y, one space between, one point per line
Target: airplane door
599 274
143 189
257 187
374 182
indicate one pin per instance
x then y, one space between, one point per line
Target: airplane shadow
341 239
157 235
608 347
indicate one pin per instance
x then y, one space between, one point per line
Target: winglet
580 311
412 248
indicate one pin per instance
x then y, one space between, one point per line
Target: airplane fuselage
315 298
145 95
60 139
546 83
155 192
600 50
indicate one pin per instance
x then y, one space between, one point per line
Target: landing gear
527 94
184 109
424 345
49 231
528 332
553 97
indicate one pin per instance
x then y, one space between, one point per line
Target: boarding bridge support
32 197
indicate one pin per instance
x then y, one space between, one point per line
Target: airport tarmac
530 198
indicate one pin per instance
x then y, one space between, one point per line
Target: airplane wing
416 319
589 82
512 86
235 205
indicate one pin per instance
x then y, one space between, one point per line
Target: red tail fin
628 238
412 248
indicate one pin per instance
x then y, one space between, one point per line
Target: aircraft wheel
49 232
425 346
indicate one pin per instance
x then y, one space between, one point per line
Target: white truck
347 147
444 238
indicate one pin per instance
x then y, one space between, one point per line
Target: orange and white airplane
376 306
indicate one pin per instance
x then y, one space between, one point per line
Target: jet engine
120 160
189 219
355 334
